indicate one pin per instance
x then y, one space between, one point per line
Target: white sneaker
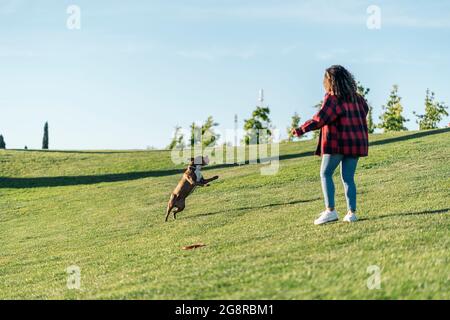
350 217
326 217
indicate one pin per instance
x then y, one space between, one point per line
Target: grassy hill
104 212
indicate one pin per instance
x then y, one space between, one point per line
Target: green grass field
104 212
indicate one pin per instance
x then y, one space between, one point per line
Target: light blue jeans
348 168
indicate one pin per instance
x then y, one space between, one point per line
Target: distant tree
434 113
392 118
45 139
26 148
295 123
177 140
364 92
2 142
209 136
260 120
204 134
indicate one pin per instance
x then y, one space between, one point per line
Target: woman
343 138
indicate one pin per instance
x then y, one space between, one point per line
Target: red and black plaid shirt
343 127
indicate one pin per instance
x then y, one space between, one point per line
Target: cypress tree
2 142
45 139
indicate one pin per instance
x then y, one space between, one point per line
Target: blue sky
136 69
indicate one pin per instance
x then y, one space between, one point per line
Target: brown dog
192 178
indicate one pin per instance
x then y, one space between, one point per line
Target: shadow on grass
407 214
39 182
270 205
62 181
409 136
86 151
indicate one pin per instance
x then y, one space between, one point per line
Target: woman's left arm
327 114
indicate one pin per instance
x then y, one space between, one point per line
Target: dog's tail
170 205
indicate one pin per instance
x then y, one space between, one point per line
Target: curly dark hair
340 82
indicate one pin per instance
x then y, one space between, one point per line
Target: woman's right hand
295 132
